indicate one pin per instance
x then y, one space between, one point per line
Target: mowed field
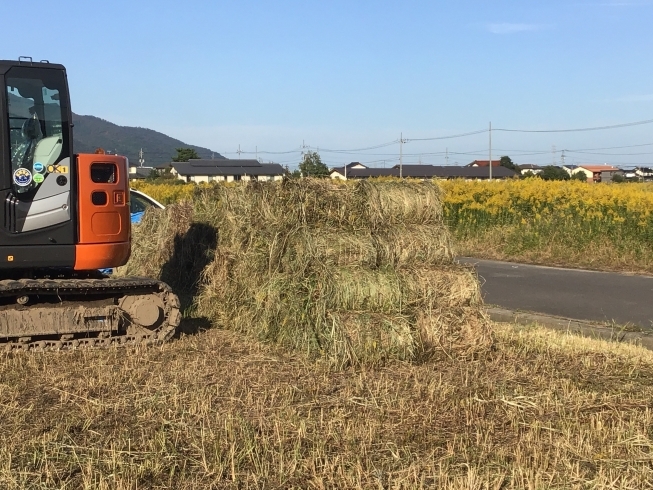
217 409
330 340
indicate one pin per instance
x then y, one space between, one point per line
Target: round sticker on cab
38 168
38 178
22 177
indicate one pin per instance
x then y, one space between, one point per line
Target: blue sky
333 75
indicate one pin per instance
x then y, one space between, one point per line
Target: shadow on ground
193 326
193 252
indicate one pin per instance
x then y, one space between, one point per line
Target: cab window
35 129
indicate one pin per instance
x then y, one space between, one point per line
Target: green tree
579 176
312 166
506 161
618 178
185 154
551 172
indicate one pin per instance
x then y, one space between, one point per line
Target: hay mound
355 274
170 245
153 240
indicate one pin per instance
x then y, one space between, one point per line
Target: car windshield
138 204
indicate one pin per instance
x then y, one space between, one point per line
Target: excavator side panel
104 220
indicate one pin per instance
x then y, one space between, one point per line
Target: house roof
225 162
227 167
484 163
341 170
372 172
445 171
599 168
529 166
140 172
570 167
430 171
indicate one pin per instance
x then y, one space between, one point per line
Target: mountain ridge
92 132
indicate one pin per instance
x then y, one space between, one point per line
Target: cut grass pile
355 274
221 410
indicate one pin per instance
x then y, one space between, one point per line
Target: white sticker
22 177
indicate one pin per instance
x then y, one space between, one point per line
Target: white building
225 170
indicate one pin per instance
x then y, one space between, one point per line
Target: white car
139 202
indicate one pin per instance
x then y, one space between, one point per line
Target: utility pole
553 154
141 160
490 162
239 152
562 158
446 158
401 158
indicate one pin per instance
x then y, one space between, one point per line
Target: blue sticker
22 177
38 168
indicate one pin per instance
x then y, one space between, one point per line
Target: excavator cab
61 211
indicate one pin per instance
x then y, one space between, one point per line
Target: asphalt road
578 294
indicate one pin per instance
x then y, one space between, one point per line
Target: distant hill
91 132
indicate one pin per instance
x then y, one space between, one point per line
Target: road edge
578 327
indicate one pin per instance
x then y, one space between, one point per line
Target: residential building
644 173
629 174
225 170
528 167
139 173
484 163
423 172
570 169
598 173
341 172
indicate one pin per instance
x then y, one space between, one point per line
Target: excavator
66 218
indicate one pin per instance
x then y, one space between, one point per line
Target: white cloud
509 28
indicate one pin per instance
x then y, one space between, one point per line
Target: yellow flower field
604 226
165 193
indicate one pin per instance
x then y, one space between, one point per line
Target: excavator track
59 314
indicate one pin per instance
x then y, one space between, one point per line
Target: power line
382 145
598 128
447 137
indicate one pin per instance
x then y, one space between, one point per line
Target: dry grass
220 410
501 243
301 263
